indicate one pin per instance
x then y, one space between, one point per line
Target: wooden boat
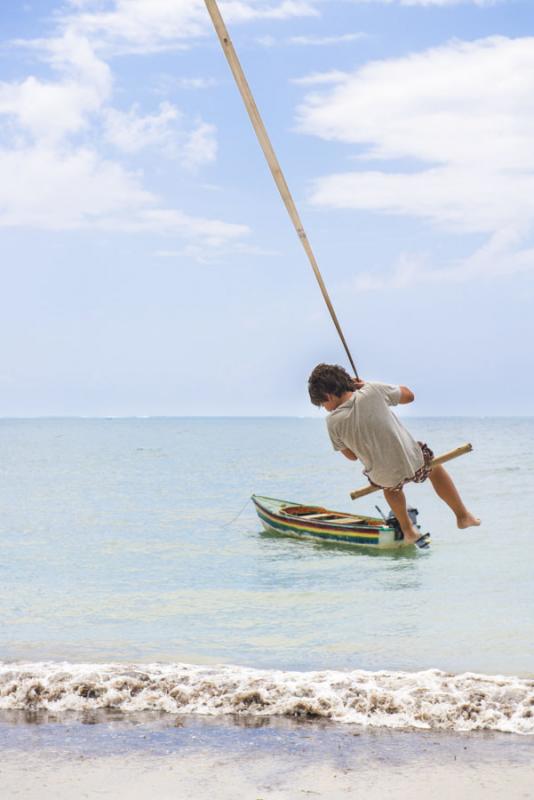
315 522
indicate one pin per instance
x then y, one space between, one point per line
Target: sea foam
431 699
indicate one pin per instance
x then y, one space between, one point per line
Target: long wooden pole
459 451
272 160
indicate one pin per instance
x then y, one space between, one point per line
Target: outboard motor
393 522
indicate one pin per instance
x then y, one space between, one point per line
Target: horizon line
7 418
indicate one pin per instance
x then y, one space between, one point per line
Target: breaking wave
426 700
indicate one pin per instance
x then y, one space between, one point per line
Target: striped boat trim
322 531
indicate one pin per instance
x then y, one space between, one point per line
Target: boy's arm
406 395
349 454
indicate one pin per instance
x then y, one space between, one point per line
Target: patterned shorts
421 474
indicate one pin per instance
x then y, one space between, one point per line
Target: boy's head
328 379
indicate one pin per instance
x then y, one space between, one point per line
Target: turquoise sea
131 542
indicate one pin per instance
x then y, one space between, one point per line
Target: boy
362 425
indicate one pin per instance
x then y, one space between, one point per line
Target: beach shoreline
166 756
424 700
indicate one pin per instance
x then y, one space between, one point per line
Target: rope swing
272 160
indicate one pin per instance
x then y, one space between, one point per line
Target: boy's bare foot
411 535
467 521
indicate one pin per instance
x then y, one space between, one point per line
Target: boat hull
277 516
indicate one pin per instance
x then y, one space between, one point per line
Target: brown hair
328 379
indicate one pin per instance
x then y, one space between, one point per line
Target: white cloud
462 103
211 232
52 175
48 110
266 41
505 253
236 11
76 55
309 41
200 146
432 2
77 189
193 83
211 255
138 25
42 188
143 26
325 41
460 115
52 110
457 198
132 132
318 78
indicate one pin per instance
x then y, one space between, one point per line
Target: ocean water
132 567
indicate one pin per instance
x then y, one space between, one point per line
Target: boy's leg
445 488
397 502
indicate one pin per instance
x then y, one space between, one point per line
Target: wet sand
203 759
205 776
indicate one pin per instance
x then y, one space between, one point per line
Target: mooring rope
227 524
272 160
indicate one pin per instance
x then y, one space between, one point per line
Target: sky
148 265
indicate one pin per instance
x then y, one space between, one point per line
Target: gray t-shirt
366 425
